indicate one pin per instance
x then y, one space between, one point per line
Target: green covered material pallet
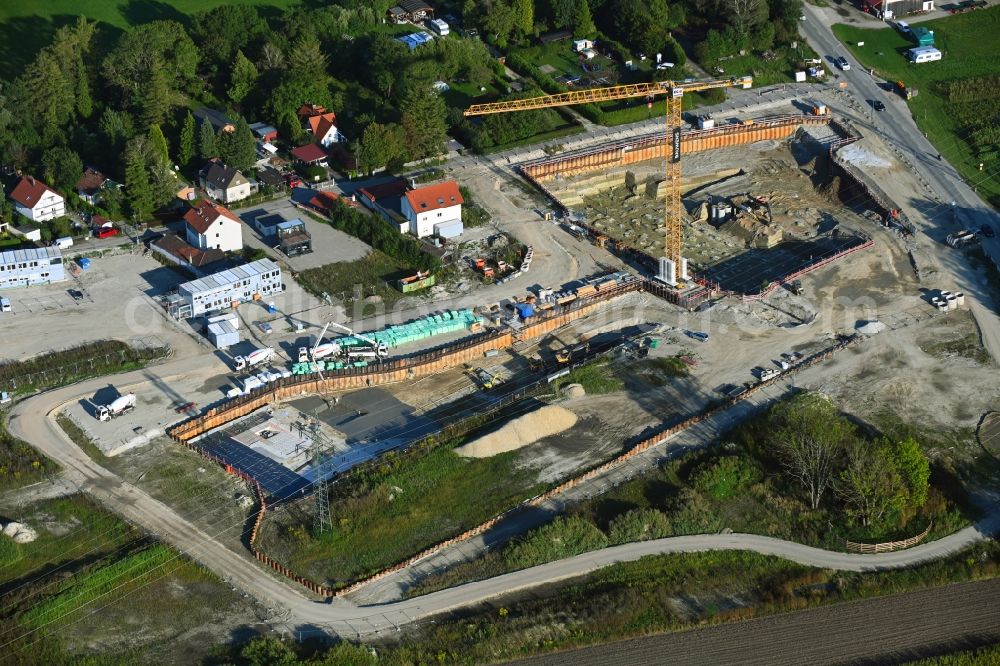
421 329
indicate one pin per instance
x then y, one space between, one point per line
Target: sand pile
20 532
574 391
522 431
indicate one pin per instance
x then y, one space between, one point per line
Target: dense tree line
375 232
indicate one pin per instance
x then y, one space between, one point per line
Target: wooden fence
887 546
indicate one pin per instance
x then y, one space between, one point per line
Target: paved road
897 128
871 631
30 420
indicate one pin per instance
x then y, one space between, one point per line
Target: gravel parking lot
329 245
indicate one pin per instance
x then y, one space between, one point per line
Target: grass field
957 105
376 273
406 505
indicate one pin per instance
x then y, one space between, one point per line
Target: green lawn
405 505
374 274
957 105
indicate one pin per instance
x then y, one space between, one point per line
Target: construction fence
662 434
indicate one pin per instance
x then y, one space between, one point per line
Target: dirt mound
831 190
520 432
574 391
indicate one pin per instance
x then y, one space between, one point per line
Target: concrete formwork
656 146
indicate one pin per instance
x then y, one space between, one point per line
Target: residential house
887 9
434 210
224 183
412 11
310 154
272 178
211 226
90 185
36 201
309 110
219 121
324 129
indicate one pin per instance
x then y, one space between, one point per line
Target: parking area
329 245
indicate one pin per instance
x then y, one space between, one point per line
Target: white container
960 298
942 307
952 302
945 294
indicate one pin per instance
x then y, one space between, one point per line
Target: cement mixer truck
121 405
254 358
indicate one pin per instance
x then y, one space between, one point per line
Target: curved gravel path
31 420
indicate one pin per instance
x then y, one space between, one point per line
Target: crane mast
673 266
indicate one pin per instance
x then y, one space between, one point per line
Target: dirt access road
884 630
31 420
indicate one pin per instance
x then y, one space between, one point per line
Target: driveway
329 245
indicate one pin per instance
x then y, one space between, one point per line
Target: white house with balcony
36 201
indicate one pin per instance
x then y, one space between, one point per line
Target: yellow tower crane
673 267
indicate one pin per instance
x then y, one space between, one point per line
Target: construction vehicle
536 364
904 91
484 268
320 349
486 379
961 238
253 359
600 240
121 405
563 356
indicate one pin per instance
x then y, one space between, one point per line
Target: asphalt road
897 128
884 630
30 420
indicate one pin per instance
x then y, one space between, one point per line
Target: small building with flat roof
23 268
241 284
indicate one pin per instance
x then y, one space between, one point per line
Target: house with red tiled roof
434 210
323 127
324 202
36 201
212 226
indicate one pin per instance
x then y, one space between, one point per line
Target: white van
64 243
5 305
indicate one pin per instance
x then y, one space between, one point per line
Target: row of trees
879 481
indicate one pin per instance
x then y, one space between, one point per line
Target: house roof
178 247
324 201
391 190
433 197
307 110
91 181
309 153
204 215
271 176
263 129
220 175
217 119
321 124
412 6
29 191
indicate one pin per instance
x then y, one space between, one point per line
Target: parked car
987 231
264 327
76 294
106 232
5 305
879 105
842 63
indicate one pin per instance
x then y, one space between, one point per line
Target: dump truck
254 358
121 405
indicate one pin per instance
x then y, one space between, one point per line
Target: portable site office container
924 54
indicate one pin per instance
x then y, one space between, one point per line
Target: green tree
185 149
268 652
500 21
159 48
158 142
424 114
207 147
870 484
224 30
61 168
244 76
137 185
156 99
915 470
524 16
639 525
379 145
583 25
116 128
307 59
809 438
288 96
238 148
